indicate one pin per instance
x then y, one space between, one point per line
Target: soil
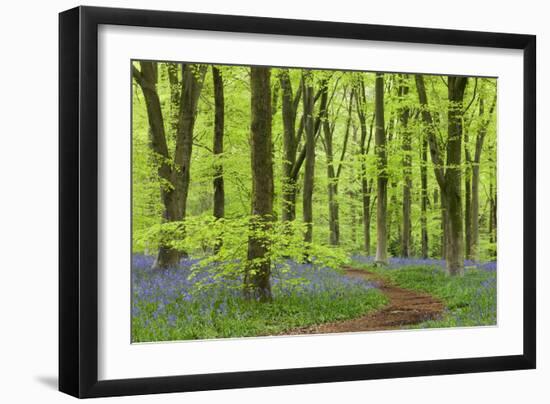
406 307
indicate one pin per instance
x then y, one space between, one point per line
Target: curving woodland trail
406 307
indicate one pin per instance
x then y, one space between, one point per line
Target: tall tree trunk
435 154
453 180
482 132
146 77
334 228
366 186
192 79
219 115
290 145
468 199
449 180
308 102
407 172
334 170
382 177
257 284
424 198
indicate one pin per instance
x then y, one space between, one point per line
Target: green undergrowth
469 300
229 315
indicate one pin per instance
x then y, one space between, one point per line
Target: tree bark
453 180
290 145
217 148
257 284
366 186
407 172
308 102
424 198
382 177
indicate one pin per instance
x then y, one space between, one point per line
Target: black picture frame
78 201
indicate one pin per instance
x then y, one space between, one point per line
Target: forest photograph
271 201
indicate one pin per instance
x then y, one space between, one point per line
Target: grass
470 300
167 305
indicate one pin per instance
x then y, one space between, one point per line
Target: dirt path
406 307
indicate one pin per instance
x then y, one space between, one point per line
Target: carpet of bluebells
470 300
190 302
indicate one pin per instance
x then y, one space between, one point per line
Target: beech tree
174 171
382 176
407 170
449 175
257 284
217 148
309 172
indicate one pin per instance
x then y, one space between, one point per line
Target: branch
473 97
427 118
136 74
346 137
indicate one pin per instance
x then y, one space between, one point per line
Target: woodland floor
406 308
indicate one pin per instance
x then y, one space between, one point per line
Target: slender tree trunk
482 132
468 193
468 200
407 174
334 171
366 187
352 193
382 178
453 181
424 198
308 101
193 77
436 155
219 115
290 145
146 77
334 228
474 216
257 284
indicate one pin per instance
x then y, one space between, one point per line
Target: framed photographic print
251 201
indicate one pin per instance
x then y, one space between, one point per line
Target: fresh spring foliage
201 235
167 305
253 186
